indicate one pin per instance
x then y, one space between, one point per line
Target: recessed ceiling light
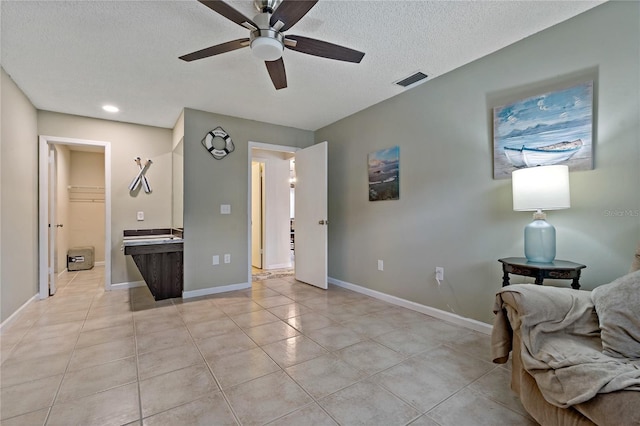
110 108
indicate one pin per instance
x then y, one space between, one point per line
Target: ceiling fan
267 39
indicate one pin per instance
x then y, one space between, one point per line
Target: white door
53 226
311 215
256 214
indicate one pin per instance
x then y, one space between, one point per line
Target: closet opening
75 209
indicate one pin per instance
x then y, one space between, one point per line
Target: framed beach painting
384 174
550 128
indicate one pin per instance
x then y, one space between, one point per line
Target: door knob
323 222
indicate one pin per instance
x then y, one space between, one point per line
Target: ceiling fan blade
323 49
216 50
277 73
229 12
291 11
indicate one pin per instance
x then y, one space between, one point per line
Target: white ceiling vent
412 80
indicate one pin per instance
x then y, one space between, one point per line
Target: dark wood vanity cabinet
158 254
161 268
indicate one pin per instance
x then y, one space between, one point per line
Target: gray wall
208 183
451 212
19 198
127 141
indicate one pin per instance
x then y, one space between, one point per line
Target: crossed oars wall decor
141 176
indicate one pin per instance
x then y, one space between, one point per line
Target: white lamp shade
541 188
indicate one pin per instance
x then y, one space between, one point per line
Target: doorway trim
43 200
267 147
262 169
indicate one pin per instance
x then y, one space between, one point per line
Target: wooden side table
558 269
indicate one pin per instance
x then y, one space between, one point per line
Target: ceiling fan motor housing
266 5
266 43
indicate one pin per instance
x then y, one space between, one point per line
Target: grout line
283 369
135 348
193 340
62 295
65 291
486 396
333 353
66 370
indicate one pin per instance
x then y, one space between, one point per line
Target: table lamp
537 189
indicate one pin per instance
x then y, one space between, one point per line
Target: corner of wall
19 201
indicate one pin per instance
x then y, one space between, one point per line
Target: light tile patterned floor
280 353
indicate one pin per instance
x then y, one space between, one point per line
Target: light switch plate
216 260
225 209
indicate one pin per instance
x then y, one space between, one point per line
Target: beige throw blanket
561 343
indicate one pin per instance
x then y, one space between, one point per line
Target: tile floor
258 274
280 353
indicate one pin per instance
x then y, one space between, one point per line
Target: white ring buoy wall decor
218 132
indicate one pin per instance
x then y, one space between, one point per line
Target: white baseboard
99 263
17 312
125 285
428 310
279 266
214 290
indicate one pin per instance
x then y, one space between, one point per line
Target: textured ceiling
75 56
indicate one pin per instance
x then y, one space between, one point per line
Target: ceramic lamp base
540 241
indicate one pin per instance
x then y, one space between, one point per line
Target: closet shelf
86 193
84 187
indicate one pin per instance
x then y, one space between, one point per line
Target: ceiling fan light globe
267 48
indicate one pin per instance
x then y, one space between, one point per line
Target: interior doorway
311 209
272 213
55 152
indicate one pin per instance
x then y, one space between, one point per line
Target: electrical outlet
216 260
439 273
140 216
227 258
225 208
380 265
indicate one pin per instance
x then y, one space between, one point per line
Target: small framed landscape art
384 174
550 128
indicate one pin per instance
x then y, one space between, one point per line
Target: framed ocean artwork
384 174
550 128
